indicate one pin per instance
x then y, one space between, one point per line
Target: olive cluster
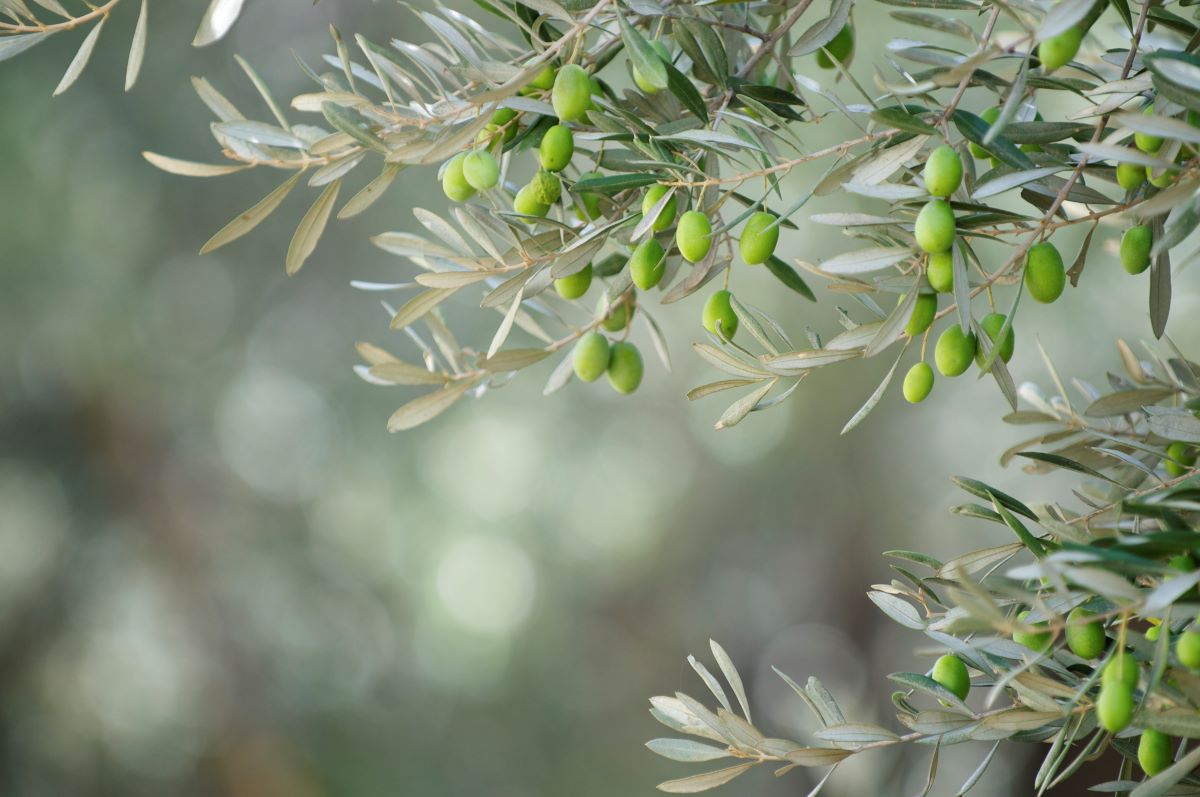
666 229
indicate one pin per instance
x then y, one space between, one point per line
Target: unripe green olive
481 170
918 383
504 119
1034 640
454 183
618 317
666 216
759 238
1160 179
625 367
572 94
943 171
1154 751
693 236
991 324
940 272
990 116
1114 706
544 79
719 317
954 351
1180 458
557 147
1121 669
924 309
1181 562
1152 633
1188 649
934 229
546 188
647 264
587 204
1145 141
1130 175
1058 50
1085 635
1045 276
642 83
575 285
1135 248
950 672
591 356
840 48
527 202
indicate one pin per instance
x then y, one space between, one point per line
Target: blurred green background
219 575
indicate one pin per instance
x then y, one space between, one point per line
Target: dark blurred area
219 575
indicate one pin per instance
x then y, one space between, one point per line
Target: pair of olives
621 361
469 172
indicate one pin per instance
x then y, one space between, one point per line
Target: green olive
1160 179
647 264
940 271
991 324
625 367
572 93
934 229
1154 751
924 309
544 79
503 119
1152 633
1145 141
527 202
693 236
1188 649
587 204
943 171
1121 669
1130 175
1045 276
990 116
591 356
839 48
1058 50
642 83
950 672
1034 640
557 147
719 317
546 188
481 170
759 238
1114 706
918 383
618 317
1135 248
575 285
1085 634
1180 459
454 182
666 217
954 351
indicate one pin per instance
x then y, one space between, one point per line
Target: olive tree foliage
606 158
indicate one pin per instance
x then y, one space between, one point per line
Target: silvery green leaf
686 750
513 360
311 227
253 217
874 398
1065 14
898 609
887 162
427 407
704 782
217 21
190 169
137 48
1174 423
80 61
923 683
855 733
817 756
729 670
865 261
397 372
737 411
259 133
1010 180
11 46
416 307
823 31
